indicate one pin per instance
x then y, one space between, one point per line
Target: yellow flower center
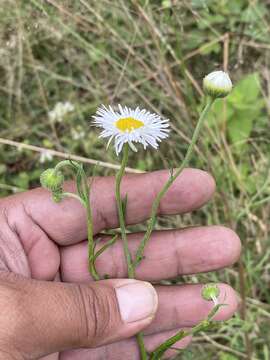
128 124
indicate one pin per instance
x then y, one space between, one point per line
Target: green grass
154 54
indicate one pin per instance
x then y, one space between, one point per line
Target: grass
152 53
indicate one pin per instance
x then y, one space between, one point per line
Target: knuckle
98 313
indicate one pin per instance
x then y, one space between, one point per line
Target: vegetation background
153 53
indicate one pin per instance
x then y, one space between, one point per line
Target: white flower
60 110
77 134
126 125
217 84
45 155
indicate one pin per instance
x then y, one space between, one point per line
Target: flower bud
52 180
210 292
217 84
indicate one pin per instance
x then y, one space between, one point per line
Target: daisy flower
126 125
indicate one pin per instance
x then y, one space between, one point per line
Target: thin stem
142 349
63 164
121 214
74 196
90 232
84 198
106 246
203 325
173 177
91 247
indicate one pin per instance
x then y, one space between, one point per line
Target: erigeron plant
127 127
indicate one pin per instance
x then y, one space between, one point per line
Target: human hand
49 305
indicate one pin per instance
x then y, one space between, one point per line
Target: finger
183 306
65 222
177 304
127 349
26 248
54 356
168 254
61 316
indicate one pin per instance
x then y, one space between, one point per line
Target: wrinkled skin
43 249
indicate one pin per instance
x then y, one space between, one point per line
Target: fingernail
137 301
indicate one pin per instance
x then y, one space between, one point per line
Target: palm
54 248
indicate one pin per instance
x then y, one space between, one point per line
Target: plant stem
63 163
173 177
203 325
121 214
83 190
90 232
91 245
141 345
74 196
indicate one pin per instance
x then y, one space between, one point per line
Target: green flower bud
210 292
52 180
217 84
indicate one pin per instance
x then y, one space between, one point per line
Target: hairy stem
203 325
74 196
121 214
141 345
83 190
90 232
173 177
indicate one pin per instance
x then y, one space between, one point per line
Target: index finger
65 222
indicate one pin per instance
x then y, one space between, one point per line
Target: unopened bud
52 180
210 292
217 84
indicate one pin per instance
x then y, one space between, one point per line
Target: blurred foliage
152 53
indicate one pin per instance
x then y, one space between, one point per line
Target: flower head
217 84
126 125
52 180
210 292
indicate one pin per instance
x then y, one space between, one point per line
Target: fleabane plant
131 126
128 129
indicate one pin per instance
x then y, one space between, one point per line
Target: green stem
74 196
141 345
63 164
91 245
173 177
203 325
84 198
90 232
106 246
121 214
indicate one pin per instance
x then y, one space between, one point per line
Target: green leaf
106 246
246 90
124 204
240 127
244 108
226 356
3 168
22 180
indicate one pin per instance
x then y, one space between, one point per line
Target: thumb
45 317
